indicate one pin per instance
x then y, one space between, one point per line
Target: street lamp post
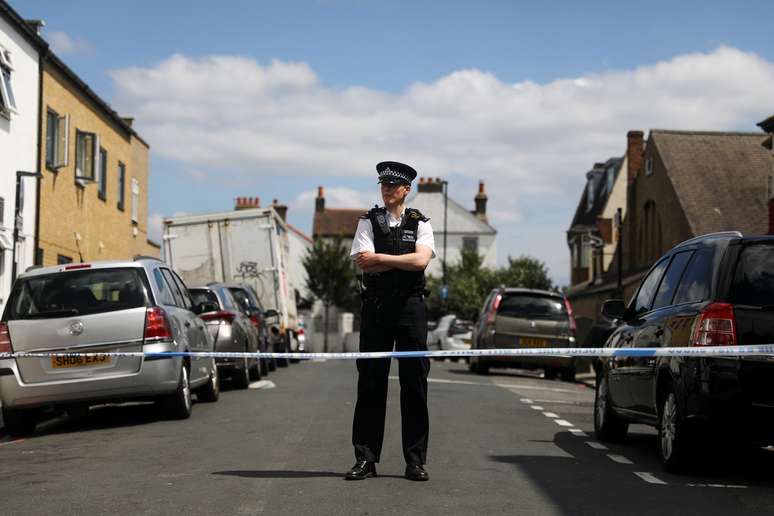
445 286
18 220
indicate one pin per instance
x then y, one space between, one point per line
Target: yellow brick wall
67 208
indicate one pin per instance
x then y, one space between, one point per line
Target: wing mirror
268 314
614 309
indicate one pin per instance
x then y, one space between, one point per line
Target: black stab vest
397 240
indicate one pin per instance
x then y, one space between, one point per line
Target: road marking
620 459
12 442
724 486
562 422
649 478
537 407
597 446
578 432
263 384
526 400
551 415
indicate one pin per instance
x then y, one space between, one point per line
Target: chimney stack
481 199
247 203
319 203
430 185
634 152
281 209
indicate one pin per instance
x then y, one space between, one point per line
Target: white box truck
246 246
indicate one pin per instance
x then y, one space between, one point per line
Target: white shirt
364 234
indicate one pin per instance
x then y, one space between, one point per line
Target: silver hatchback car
120 306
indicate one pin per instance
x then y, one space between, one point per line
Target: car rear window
83 292
204 296
241 297
754 276
531 306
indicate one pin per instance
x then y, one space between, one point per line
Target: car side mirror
268 314
614 309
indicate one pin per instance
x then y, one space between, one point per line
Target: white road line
620 459
597 446
723 486
551 415
263 384
578 432
562 422
526 400
537 407
649 478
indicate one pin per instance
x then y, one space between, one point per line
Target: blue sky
398 70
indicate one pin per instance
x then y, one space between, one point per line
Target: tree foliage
469 283
330 274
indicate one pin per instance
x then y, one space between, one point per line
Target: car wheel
242 375
255 370
178 405
568 374
272 364
264 366
607 425
549 373
673 435
19 423
211 391
482 367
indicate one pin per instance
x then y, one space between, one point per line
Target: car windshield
82 292
754 276
201 296
241 297
530 306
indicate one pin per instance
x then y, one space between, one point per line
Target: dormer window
610 179
7 97
590 194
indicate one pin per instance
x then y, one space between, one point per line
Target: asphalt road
505 443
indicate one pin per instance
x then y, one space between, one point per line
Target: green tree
525 272
331 277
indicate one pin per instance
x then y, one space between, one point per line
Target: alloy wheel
186 389
668 427
601 402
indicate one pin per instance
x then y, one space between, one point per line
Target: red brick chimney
247 203
634 152
319 203
429 185
480 200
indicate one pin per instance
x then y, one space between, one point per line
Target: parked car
449 333
714 290
251 305
440 329
525 318
137 305
231 330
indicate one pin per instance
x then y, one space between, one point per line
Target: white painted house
465 229
20 48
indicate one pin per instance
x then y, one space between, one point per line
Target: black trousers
386 323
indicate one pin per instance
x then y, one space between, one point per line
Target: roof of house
300 233
587 218
333 222
460 220
720 178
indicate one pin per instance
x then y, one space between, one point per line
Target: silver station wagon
120 306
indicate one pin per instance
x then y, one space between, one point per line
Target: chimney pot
437 179
319 203
481 187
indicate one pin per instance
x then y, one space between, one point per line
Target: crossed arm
416 261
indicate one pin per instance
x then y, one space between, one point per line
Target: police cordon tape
713 351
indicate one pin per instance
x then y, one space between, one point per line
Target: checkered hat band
388 172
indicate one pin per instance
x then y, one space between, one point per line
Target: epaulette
413 213
367 215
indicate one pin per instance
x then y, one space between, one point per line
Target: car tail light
221 315
568 306
256 321
300 331
5 339
78 267
493 311
157 324
716 326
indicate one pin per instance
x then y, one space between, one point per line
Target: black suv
713 290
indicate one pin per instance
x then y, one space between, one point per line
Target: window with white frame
57 140
102 176
7 97
135 200
86 156
470 244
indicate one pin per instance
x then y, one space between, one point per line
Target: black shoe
361 470
416 472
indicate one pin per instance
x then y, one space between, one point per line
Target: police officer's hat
394 173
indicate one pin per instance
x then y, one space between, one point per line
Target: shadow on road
271 473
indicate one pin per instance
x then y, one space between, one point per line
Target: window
532 307
183 290
179 301
671 278
57 141
7 97
165 294
695 285
102 177
86 156
590 194
610 179
583 251
62 259
135 200
648 287
470 244
648 166
753 278
121 185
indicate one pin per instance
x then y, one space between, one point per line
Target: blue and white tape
715 351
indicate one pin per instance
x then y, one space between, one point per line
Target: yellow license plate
71 361
526 342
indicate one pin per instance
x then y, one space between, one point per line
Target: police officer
393 245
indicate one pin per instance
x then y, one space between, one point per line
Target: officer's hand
367 260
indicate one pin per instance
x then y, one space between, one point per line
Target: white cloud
529 141
62 43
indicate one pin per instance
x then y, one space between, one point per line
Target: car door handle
659 332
